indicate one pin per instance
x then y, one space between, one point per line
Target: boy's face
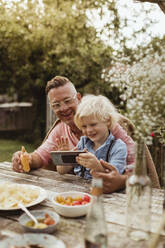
96 130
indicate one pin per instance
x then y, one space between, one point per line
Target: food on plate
25 160
73 201
43 223
11 194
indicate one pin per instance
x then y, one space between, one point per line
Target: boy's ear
109 122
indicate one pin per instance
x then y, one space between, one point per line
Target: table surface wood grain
70 230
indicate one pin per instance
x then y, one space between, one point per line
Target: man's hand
112 180
62 144
35 161
16 161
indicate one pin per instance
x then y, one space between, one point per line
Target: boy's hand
89 160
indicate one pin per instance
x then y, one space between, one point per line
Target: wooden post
162 164
50 116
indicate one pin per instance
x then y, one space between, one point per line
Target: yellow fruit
78 198
25 160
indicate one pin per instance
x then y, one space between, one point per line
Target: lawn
8 147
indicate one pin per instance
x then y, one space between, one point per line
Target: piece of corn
25 160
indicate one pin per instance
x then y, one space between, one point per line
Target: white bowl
71 211
40 214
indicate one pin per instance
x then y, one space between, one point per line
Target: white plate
42 196
40 239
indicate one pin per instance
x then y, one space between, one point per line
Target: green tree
39 42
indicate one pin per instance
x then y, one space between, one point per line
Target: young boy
96 117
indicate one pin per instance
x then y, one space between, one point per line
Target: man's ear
79 96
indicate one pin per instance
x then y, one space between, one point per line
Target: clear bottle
96 228
139 192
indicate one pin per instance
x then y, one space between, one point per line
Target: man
64 99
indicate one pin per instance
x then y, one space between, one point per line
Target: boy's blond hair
98 107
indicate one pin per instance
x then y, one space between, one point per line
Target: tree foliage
142 87
38 42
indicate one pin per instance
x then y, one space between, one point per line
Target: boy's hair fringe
99 107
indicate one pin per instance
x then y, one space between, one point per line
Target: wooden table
70 230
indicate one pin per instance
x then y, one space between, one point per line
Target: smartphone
65 157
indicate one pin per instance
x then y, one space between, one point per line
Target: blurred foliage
38 42
142 87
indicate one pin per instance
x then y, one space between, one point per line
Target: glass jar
139 192
96 228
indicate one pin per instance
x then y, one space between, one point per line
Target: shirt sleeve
118 156
49 145
119 133
61 129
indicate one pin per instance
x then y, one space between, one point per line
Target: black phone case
65 157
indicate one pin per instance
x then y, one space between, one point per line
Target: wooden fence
16 116
158 155
50 116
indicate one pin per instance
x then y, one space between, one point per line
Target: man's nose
63 106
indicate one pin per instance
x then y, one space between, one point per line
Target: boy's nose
89 129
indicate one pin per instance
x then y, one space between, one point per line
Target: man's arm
36 162
40 157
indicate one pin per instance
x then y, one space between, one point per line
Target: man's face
64 101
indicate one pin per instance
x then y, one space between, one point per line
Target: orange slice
25 160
